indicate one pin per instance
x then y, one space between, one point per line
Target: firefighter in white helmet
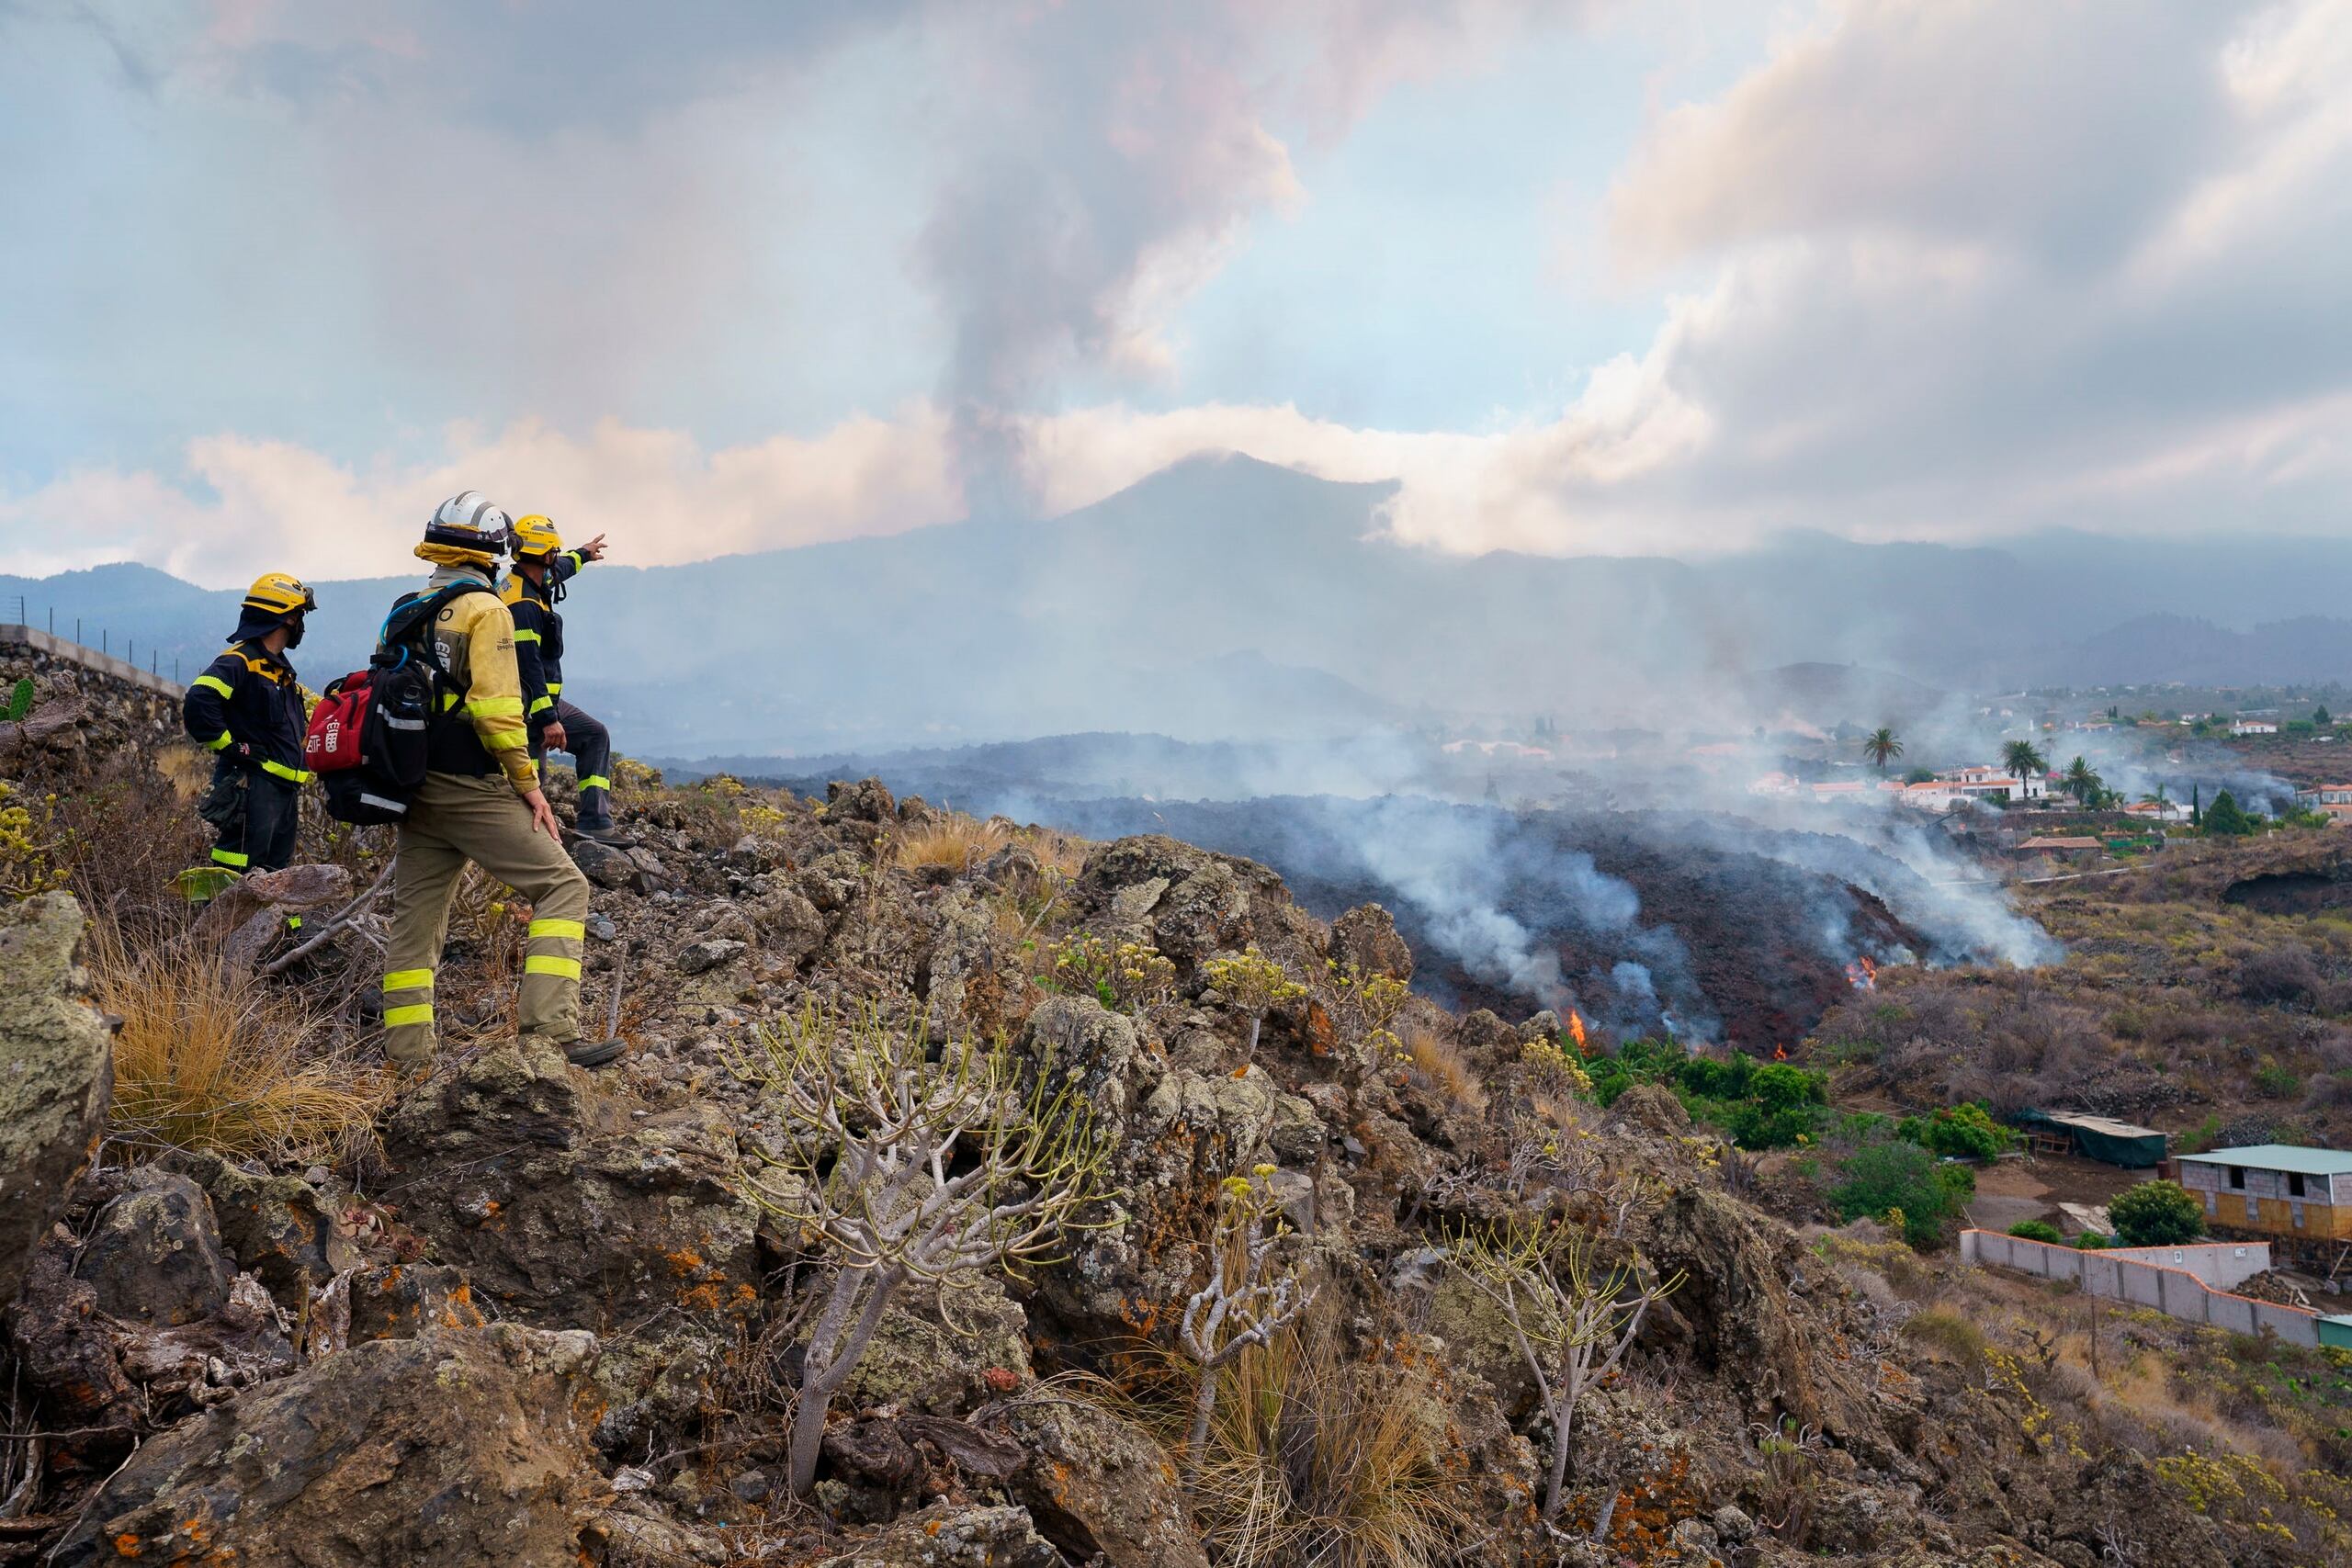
480 802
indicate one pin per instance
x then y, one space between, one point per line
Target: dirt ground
2030 1187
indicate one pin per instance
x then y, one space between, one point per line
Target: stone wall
2187 1283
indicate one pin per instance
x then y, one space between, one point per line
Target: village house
2276 1190
2244 726
1983 782
2060 847
2158 811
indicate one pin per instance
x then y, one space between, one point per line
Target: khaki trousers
454 819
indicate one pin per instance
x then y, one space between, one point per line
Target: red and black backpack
372 729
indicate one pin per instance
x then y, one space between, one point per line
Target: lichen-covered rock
699 957
400 1301
461 1447
865 801
155 1256
55 1072
603 864
1098 1486
943 1353
571 1206
789 925
1366 937
948 1536
277 1227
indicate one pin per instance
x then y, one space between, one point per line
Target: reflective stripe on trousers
408 1013
551 963
453 820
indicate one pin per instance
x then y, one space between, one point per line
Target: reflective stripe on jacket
474 637
249 697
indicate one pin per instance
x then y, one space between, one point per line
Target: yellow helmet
534 538
280 594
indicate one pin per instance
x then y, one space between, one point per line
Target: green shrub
2157 1213
1901 1179
1763 1105
2091 1241
1966 1130
2036 1230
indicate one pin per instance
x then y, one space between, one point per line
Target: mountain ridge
1227 597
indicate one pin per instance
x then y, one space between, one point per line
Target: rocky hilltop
520 1313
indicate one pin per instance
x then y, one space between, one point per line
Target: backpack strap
415 612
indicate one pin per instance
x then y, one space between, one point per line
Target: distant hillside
2160 648
1224 598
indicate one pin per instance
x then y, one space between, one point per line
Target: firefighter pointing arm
542 568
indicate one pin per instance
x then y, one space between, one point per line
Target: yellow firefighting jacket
474 637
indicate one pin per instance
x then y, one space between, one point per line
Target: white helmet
469 521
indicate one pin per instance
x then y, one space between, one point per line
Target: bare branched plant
1572 1316
1254 985
1251 1294
899 1163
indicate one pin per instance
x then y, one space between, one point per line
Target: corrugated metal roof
2281 1156
2107 1125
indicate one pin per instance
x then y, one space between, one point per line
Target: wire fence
77 637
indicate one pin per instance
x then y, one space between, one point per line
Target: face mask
294 632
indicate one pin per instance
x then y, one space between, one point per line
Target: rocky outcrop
153 1256
568 1205
1366 937
277 1227
460 1448
1101 1490
55 1072
1192 904
949 1537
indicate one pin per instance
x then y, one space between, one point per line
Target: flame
1576 1030
1780 1053
1862 974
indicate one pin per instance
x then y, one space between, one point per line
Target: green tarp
2100 1138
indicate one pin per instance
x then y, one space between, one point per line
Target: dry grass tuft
1962 1341
1061 855
951 839
210 1059
1435 1059
1313 1458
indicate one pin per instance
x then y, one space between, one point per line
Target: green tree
2226 819
2021 760
1966 1130
1881 748
1901 1178
2082 782
2321 716
2157 1213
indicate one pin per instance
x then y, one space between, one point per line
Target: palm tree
1881 748
2083 782
2023 759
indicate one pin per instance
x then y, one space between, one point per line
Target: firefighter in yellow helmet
480 802
247 708
542 567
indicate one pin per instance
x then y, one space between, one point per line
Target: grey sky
1584 276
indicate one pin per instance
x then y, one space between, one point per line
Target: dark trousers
591 745
256 814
